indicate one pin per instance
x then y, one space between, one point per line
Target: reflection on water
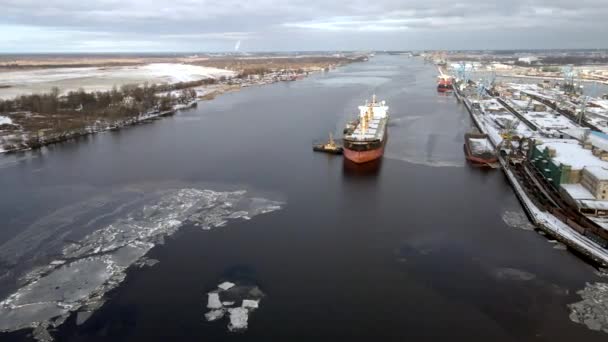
366 170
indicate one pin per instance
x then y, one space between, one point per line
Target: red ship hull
478 159
361 157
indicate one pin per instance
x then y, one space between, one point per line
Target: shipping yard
551 140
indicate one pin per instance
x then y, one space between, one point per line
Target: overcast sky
272 25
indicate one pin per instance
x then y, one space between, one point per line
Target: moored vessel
479 150
365 137
444 83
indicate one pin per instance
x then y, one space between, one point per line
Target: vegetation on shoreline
40 119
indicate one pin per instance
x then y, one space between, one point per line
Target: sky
299 25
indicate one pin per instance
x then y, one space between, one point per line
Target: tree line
58 117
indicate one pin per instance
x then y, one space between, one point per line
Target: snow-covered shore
16 83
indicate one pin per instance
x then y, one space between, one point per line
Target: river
419 246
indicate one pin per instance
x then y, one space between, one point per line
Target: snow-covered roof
577 192
576 132
598 172
601 103
592 204
570 152
549 121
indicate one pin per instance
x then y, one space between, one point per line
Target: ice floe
226 285
517 219
214 315
513 274
238 319
592 310
248 296
97 263
250 304
213 300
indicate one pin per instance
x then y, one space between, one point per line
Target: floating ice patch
250 304
213 300
592 311
560 246
602 272
517 219
513 274
238 319
214 315
97 263
248 296
226 285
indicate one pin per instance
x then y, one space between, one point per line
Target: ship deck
374 132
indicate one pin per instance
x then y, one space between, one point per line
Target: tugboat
329 147
479 150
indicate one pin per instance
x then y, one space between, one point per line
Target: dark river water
415 247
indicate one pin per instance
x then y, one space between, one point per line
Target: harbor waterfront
416 245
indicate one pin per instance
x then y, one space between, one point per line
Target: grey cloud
194 25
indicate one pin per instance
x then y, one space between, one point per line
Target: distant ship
444 83
365 137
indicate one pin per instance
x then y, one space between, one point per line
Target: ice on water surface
248 295
97 263
592 310
517 219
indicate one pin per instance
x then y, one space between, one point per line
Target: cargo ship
479 150
444 83
365 137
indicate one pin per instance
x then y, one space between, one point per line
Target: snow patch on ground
592 310
92 266
103 78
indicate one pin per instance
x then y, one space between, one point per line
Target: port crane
570 76
461 72
580 115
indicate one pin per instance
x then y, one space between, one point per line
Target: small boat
479 150
329 147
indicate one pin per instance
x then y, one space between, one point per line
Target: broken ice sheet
517 219
249 297
226 285
250 304
214 315
98 261
592 310
213 300
238 319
